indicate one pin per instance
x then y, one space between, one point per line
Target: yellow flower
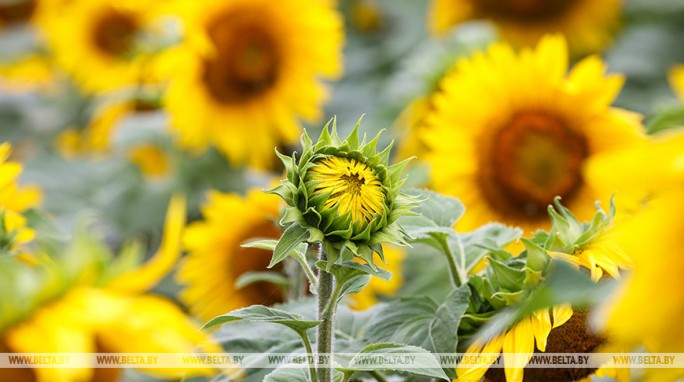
99 42
676 78
152 160
589 25
653 239
603 256
13 201
29 73
517 344
95 320
16 12
352 186
115 316
216 259
368 297
248 72
509 132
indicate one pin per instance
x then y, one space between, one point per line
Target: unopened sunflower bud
345 195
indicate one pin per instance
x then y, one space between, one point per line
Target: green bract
344 195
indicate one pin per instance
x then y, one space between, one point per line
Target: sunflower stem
309 353
326 314
456 275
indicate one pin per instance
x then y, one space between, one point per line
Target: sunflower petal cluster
343 194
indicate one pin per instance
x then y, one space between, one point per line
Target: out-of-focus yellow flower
110 316
151 160
509 132
16 12
13 201
652 238
99 42
368 297
676 78
216 259
30 73
517 344
589 25
249 70
409 126
12 196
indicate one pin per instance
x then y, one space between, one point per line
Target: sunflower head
345 195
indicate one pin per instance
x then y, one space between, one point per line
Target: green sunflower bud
343 194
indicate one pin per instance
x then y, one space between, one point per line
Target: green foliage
429 365
260 313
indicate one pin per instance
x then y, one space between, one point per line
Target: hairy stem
454 271
310 354
326 330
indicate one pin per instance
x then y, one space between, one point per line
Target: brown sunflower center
525 10
15 12
532 159
257 260
246 61
114 33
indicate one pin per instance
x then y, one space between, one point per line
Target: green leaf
260 313
297 373
293 235
509 278
407 358
354 285
248 278
420 321
444 211
349 269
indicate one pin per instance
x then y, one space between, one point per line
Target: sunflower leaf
420 321
260 313
293 235
417 360
249 278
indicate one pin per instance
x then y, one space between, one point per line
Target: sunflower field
341 190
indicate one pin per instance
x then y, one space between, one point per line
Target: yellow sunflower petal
518 346
149 274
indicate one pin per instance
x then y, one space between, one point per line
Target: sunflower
248 71
16 12
676 78
84 301
216 259
517 344
510 132
589 25
368 296
101 43
652 237
13 201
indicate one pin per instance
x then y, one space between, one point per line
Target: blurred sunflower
216 259
368 296
16 12
13 201
652 238
589 25
676 77
84 300
101 43
249 70
509 157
